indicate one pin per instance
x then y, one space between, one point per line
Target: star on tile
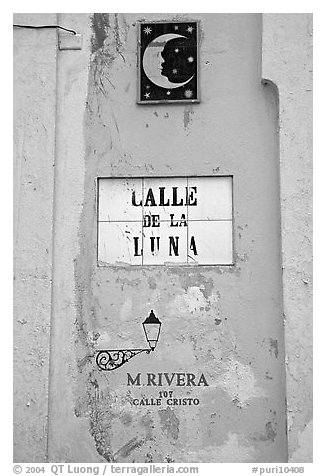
174 71
176 50
168 93
176 27
147 95
190 59
188 93
147 30
190 29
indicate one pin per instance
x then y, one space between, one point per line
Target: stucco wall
35 54
100 131
287 61
223 321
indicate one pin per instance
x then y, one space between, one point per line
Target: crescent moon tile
168 62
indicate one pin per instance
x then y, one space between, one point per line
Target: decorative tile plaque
168 62
165 221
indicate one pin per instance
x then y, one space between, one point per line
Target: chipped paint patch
194 300
100 25
231 451
240 383
129 447
304 450
274 346
183 352
170 423
191 279
188 111
126 309
269 434
104 341
151 283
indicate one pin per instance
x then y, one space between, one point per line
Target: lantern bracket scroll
114 358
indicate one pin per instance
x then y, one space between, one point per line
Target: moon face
152 61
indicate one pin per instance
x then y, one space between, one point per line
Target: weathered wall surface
226 322
34 129
69 435
287 61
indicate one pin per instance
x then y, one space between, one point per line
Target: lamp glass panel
152 331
